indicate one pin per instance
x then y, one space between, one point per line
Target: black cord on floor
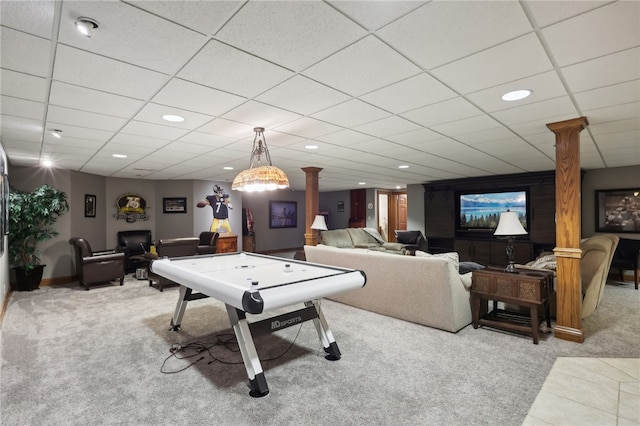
196 348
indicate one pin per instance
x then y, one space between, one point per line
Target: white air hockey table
249 283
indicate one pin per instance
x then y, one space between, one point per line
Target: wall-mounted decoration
131 207
174 205
340 206
220 202
283 214
618 210
89 205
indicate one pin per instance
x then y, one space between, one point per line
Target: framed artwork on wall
283 214
174 205
89 205
618 210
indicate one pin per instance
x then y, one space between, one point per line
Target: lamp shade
319 223
509 225
258 177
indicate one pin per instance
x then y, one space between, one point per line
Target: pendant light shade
256 177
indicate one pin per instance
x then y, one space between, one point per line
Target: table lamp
319 224
508 227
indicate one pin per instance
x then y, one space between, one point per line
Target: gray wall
277 238
328 202
616 178
415 208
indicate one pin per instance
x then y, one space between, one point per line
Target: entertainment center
461 215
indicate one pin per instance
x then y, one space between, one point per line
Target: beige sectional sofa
423 290
367 238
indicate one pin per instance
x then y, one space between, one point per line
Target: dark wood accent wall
358 212
484 248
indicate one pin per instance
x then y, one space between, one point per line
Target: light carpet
78 357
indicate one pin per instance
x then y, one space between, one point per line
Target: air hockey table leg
257 381
324 333
180 308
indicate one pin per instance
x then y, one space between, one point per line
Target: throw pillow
452 256
545 262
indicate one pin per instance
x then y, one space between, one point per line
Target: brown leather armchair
208 242
98 267
174 247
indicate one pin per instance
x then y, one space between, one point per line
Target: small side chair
96 267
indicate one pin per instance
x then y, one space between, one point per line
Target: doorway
392 213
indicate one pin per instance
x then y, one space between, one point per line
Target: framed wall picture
283 214
340 206
618 210
89 205
174 205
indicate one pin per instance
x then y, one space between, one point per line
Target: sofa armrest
103 258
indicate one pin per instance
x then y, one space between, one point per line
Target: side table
527 288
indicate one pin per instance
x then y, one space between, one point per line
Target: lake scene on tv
482 211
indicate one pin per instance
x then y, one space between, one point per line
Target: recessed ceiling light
516 95
403 166
173 118
56 133
311 146
228 168
119 156
362 183
84 25
47 163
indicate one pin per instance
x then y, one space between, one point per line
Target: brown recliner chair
208 242
173 247
98 267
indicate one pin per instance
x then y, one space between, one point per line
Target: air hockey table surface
250 283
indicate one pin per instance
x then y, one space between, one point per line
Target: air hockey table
249 283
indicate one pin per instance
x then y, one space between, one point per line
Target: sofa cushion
360 237
336 238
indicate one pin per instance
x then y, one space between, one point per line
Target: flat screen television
480 211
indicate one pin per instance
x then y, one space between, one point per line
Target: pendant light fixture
257 177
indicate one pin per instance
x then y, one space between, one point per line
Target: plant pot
27 280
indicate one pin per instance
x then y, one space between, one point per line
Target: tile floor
589 391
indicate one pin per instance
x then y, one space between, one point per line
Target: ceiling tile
302 95
34 17
195 97
604 71
238 73
608 96
549 12
351 113
23 86
443 112
205 16
97 72
260 115
441 32
363 67
307 127
539 111
152 113
15 44
284 32
543 86
516 59
92 120
21 108
376 14
75 97
153 130
131 35
387 127
602 31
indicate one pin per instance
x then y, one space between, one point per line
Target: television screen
482 210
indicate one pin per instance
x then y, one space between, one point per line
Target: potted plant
31 219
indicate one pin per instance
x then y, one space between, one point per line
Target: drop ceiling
375 85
